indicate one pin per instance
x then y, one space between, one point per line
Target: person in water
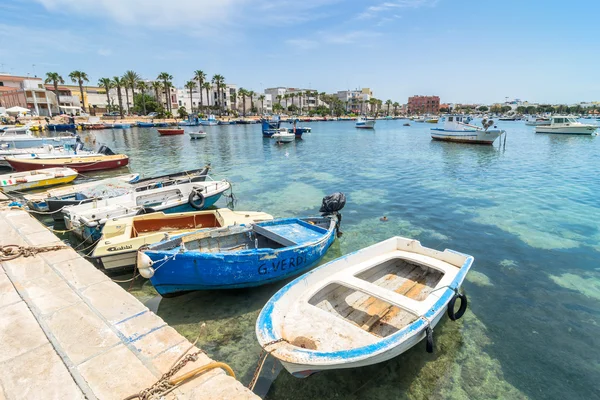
383 219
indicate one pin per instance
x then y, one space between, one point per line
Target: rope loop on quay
12 251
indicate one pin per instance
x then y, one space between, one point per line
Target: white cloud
302 44
372 11
105 52
350 37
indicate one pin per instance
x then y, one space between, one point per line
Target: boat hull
170 132
78 165
197 135
365 125
576 130
475 136
31 142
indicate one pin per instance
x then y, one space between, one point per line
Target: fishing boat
61 127
271 127
121 126
419 119
170 131
121 238
566 125
363 123
458 129
507 118
40 178
537 121
86 220
102 160
145 124
363 308
432 120
283 136
117 187
211 121
192 120
197 135
161 124
23 138
241 256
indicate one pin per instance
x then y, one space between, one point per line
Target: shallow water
528 214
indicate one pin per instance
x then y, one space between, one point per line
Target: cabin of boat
566 125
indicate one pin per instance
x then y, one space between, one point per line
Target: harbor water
528 212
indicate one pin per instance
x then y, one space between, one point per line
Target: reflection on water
528 213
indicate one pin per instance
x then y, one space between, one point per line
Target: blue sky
461 50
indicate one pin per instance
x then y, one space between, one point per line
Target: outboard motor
106 151
331 205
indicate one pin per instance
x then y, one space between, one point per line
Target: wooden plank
273 236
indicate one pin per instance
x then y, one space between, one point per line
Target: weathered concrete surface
68 332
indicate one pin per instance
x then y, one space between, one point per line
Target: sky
465 51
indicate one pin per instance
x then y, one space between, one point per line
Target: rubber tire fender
429 339
145 210
193 202
461 310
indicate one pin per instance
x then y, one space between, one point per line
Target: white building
301 98
209 99
356 101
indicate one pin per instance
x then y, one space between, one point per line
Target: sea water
528 212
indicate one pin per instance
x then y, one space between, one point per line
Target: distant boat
18 181
23 138
363 123
169 132
192 120
102 160
121 126
197 135
240 256
86 220
61 127
507 118
121 238
433 120
283 136
211 121
161 124
363 308
145 124
566 125
537 121
419 119
457 129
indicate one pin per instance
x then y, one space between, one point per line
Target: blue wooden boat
61 127
121 126
161 124
241 256
145 124
270 127
191 121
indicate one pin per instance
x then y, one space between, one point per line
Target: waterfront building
356 101
182 98
27 92
95 98
296 96
423 104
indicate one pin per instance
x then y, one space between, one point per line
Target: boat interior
150 225
374 316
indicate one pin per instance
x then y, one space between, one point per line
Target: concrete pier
68 332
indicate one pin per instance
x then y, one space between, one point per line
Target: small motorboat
432 120
121 238
145 124
23 138
537 121
566 125
61 127
86 220
241 256
121 126
170 131
210 121
197 135
283 136
102 160
40 178
362 123
363 308
406 124
457 128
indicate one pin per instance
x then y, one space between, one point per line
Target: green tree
505 109
166 81
130 80
262 98
521 110
142 87
244 93
200 76
190 85
118 83
144 103
388 103
157 87
292 108
182 111
396 105
277 107
483 109
79 77
251 95
279 97
207 86
106 83
55 79
219 82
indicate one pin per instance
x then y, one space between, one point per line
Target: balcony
69 99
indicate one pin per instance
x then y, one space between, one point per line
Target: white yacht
458 129
566 125
532 120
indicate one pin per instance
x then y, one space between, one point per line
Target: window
450 119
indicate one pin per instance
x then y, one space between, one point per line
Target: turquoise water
528 213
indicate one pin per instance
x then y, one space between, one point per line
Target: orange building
423 104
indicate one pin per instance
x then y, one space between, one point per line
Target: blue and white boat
161 124
270 127
211 121
191 121
457 128
23 138
86 220
121 126
145 124
363 123
363 308
240 256
61 127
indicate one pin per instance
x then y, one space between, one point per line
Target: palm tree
388 103
287 99
251 94
219 81
166 78
118 83
55 78
200 76
395 105
279 97
142 87
157 87
234 101
190 85
106 83
130 78
300 97
79 77
243 92
207 86
262 98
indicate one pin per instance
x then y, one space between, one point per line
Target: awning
71 107
17 109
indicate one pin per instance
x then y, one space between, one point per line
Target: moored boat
362 123
170 131
537 121
566 125
86 220
18 181
197 135
61 127
457 129
145 124
23 138
241 256
283 136
210 121
102 160
121 238
363 308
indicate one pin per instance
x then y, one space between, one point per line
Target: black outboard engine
332 204
106 151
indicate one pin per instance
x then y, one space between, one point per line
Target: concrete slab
19 331
215 386
39 373
165 360
8 294
44 238
158 341
114 303
8 235
131 377
26 268
81 333
79 273
59 256
49 293
139 325
25 224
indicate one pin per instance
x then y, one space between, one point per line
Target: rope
12 251
261 362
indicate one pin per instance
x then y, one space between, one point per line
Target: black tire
461 310
429 339
197 199
145 210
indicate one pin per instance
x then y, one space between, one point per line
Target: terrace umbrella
17 110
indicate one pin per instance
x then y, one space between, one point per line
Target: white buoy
144 265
